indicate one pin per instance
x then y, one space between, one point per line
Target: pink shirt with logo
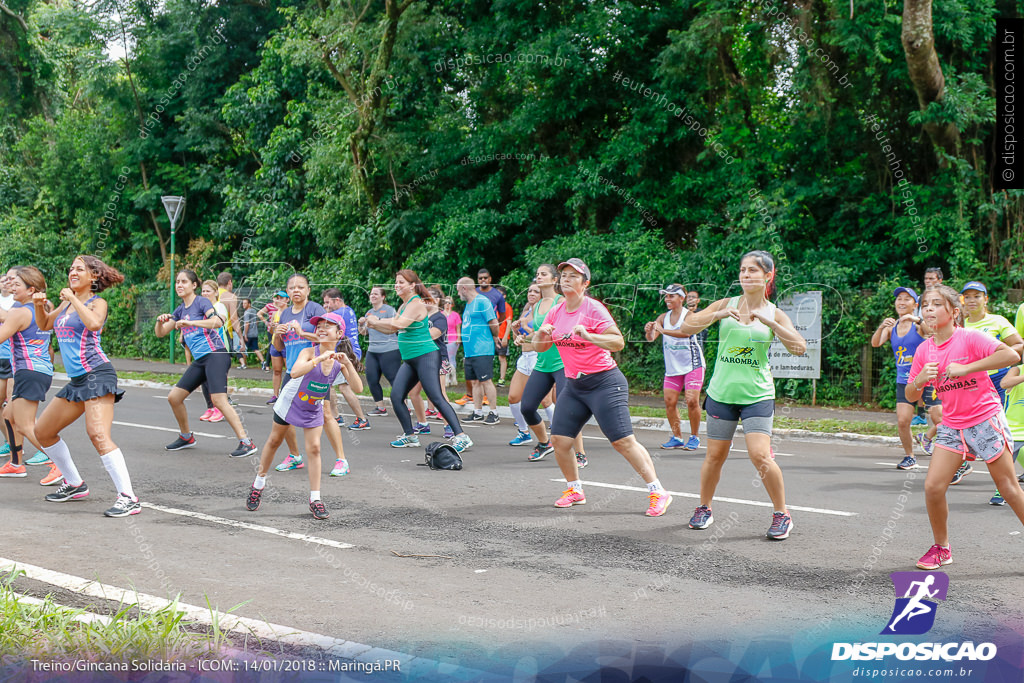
578 354
967 400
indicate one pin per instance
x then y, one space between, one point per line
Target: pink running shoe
206 416
660 500
216 416
571 497
936 557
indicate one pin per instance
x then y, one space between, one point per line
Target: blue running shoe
997 499
702 517
39 458
907 463
421 428
964 470
448 432
522 438
782 524
919 421
406 441
462 442
692 444
5 449
674 442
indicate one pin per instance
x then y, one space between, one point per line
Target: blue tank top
903 348
79 346
293 341
30 348
199 340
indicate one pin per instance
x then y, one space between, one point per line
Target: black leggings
425 369
537 387
378 363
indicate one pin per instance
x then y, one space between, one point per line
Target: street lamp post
174 206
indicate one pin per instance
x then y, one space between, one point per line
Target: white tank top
682 356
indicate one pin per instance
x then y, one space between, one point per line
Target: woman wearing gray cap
585 335
684 366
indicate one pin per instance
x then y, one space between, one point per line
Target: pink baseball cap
331 318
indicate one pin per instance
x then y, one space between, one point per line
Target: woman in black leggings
382 357
421 360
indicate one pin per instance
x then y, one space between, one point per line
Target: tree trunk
925 70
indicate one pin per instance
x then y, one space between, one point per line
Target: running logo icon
916 596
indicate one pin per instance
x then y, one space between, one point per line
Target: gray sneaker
491 419
124 506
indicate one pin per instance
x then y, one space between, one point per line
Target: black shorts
603 395
212 369
929 396
99 382
6 370
501 350
479 368
252 344
31 385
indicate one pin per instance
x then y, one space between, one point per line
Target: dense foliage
657 140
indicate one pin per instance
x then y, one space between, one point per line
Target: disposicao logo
917 596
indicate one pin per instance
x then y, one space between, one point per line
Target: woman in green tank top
421 360
742 387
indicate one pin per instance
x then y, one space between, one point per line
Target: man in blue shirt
479 330
497 299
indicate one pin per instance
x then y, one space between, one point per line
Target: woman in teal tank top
421 360
742 387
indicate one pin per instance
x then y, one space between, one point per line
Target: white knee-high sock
61 457
517 413
118 471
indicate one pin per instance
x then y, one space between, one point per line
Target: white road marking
890 465
251 527
757 503
734 448
168 429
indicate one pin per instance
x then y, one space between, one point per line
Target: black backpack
443 456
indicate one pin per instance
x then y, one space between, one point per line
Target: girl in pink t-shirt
955 361
585 335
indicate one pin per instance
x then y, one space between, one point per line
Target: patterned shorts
985 440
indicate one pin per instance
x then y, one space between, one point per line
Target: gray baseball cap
578 265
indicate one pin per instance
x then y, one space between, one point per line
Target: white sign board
804 309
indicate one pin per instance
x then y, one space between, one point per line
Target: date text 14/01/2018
328 665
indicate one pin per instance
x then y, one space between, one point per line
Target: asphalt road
478 567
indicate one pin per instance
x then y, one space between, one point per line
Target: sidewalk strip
757 503
336 647
251 527
168 429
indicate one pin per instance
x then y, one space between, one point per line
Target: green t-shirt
1018 322
414 341
995 326
742 375
1015 410
550 360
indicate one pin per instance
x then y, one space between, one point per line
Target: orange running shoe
660 500
571 497
464 400
9 470
52 477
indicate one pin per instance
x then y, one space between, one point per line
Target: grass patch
53 632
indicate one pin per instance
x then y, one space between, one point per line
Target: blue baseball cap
281 293
973 284
899 290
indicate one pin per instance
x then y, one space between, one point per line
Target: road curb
657 424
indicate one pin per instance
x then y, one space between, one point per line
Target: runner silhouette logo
917 594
